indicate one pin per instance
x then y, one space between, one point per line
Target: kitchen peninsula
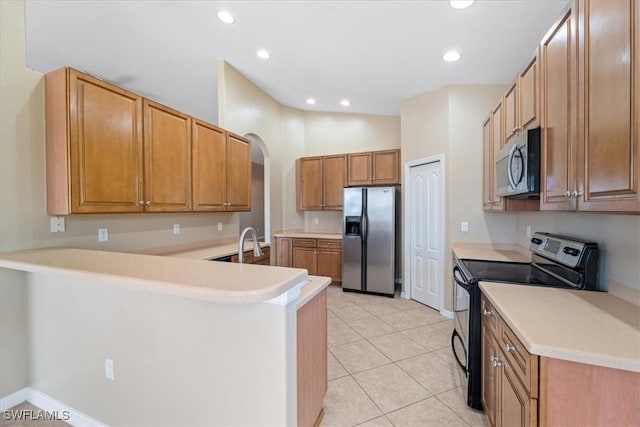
192 342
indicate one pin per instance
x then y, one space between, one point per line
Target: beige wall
618 238
177 361
255 217
449 121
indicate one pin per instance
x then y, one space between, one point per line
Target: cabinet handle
148 202
495 361
509 347
575 193
567 193
141 202
487 312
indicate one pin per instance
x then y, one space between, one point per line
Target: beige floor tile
390 387
346 404
444 326
435 374
359 298
341 333
455 401
427 413
350 311
377 422
429 338
446 354
371 327
334 368
332 319
359 356
379 308
411 318
397 346
409 304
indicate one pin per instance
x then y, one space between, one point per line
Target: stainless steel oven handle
453 348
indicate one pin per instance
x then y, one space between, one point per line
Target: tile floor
390 364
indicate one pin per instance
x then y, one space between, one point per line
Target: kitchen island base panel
578 394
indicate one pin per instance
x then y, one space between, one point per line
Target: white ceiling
375 53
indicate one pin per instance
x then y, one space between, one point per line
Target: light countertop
222 282
492 252
595 328
311 289
309 234
214 251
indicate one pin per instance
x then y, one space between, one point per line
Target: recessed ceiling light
461 4
451 56
344 103
262 53
311 101
226 17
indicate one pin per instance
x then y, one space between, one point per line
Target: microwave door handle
512 156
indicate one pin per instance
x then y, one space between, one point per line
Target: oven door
460 336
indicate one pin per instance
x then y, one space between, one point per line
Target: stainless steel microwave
517 172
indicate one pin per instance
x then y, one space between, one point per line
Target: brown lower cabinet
523 389
312 360
249 258
321 257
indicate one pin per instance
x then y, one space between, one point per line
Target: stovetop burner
508 272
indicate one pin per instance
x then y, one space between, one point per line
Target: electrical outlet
57 224
315 220
529 233
176 229
108 369
220 226
464 227
103 234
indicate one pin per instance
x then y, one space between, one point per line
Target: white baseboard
446 313
49 404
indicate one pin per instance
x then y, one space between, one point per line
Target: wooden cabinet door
238 173
559 139
497 143
488 163
309 184
609 111
386 165
209 160
329 264
312 359
490 376
284 254
511 128
359 169
105 145
334 179
167 159
305 258
515 407
529 96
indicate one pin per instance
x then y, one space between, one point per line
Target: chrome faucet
256 247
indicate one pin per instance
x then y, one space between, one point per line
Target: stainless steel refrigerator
369 239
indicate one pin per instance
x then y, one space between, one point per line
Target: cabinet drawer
308 243
330 243
523 363
489 316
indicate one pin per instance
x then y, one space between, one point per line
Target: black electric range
557 261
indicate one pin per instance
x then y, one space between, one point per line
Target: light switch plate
103 234
57 224
220 226
176 229
464 227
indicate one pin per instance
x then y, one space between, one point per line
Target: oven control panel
558 248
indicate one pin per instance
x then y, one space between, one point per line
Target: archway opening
259 217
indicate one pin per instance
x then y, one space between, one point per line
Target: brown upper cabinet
320 181
529 96
374 168
511 119
591 109
221 169
111 151
94 146
167 159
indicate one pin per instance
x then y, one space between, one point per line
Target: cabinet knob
509 347
575 193
495 361
148 202
486 312
141 202
567 193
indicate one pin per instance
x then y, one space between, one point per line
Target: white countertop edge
168 288
568 354
314 286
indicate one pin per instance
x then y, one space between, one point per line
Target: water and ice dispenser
352 226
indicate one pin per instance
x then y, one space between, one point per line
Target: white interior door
426 228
